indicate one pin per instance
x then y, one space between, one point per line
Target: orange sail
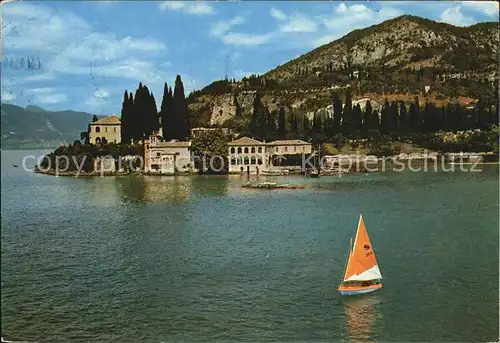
362 264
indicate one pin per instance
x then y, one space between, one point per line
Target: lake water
157 259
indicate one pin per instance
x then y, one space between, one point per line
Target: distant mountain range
33 127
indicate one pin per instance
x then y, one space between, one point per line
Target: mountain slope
403 42
398 59
33 127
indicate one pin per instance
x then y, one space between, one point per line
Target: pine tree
294 126
94 118
281 123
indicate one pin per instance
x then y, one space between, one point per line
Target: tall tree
181 111
167 114
347 119
358 117
270 124
337 113
237 114
414 116
368 123
258 121
385 120
94 118
403 117
281 123
126 119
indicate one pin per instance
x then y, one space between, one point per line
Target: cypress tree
183 127
166 114
94 118
368 123
281 123
125 119
237 113
305 125
403 117
337 113
270 124
414 116
295 128
358 118
347 119
258 121
394 117
385 118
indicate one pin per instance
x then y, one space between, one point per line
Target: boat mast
347 260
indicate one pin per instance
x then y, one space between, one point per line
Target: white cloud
299 23
488 8
52 99
47 95
7 95
223 26
278 14
246 39
188 7
347 18
454 16
43 90
99 98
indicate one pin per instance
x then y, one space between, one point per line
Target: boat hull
359 290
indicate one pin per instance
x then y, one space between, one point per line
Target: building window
276 149
252 160
246 150
239 150
259 160
260 150
97 129
105 129
239 160
158 154
233 161
232 150
97 140
286 149
246 160
295 149
253 150
114 130
114 141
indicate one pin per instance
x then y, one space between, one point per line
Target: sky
90 52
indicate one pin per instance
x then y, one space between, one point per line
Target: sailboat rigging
362 274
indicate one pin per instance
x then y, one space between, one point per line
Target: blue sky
91 52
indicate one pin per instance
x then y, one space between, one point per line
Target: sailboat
362 274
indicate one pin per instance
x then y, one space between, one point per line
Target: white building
167 157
